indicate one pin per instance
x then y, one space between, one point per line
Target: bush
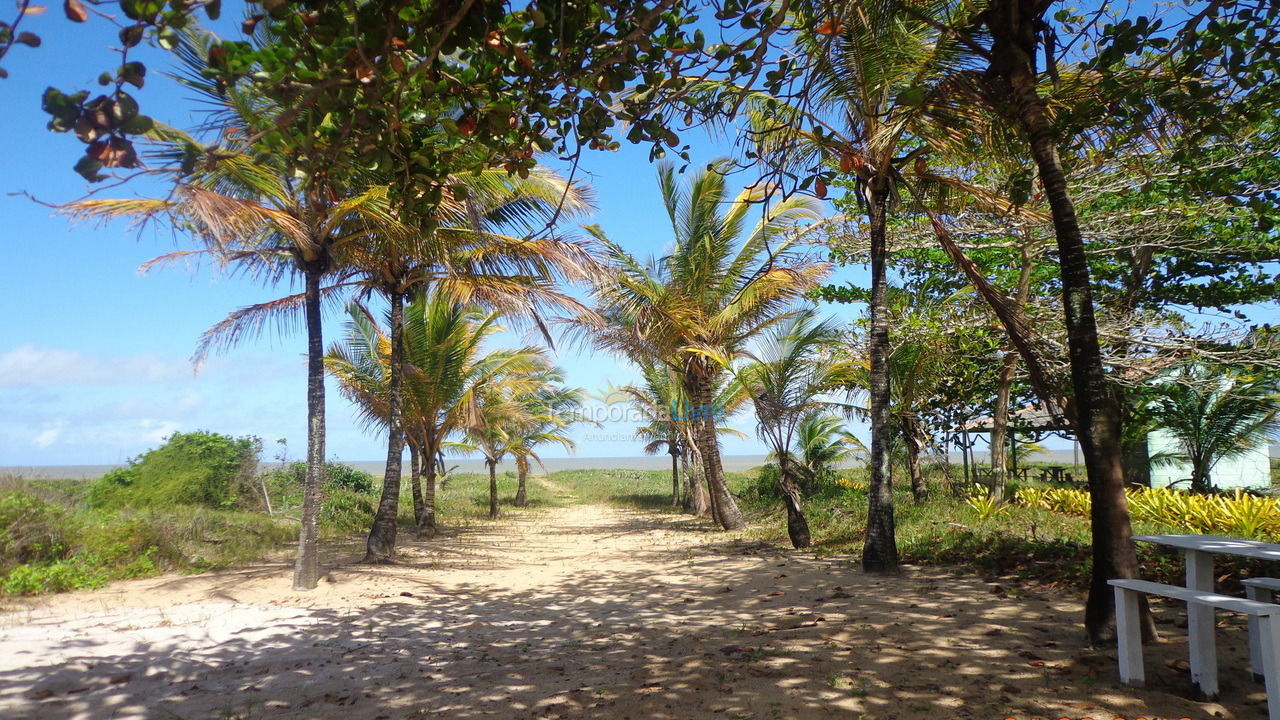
1237 515
345 512
199 468
31 530
285 483
763 488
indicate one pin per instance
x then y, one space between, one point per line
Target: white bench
1264 636
1260 589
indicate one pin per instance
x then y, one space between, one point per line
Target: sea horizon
377 467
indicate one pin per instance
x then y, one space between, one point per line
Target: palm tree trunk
522 493
686 475
415 482
1014 27
880 552
306 568
797 525
1000 423
1004 381
675 472
493 488
911 441
722 503
381 545
427 523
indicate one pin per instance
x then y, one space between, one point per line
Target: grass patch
1028 543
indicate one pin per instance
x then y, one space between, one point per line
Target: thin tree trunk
415 482
306 568
722 503
686 474
493 489
1004 381
522 493
913 447
427 523
675 473
1014 26
797 525
880 551
381 545
1000 423
701 500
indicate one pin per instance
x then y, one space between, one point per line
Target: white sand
583 612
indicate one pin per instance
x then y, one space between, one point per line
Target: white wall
1250 470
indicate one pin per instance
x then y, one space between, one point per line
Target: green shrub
763 488
345 512
58 577
285 483
31 530
199 468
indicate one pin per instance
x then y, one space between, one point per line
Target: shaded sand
584 612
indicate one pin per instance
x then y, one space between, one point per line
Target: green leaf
133 73
168 38
131 36
138 125
213 9
88 169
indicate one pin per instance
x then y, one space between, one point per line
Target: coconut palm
720 285
881 86
444 366
500 411
1215 415
657 400
483 247
550 410
786 378
267 214
662 400
822 443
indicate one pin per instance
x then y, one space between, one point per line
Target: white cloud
124 433
28 366
49 434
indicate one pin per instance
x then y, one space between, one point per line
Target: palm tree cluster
925 113
492 249
687 314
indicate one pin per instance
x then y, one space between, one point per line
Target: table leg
1200 625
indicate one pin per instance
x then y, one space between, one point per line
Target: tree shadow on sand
717 630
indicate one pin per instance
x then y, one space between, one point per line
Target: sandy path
580 612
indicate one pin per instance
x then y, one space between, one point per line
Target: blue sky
94 359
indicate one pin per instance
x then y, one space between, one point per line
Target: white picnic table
1199 551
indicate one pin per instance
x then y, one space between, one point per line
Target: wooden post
1200 621
1129 638
1269 635
1256 630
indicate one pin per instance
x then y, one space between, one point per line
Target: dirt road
579 612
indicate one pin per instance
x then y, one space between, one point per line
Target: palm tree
444 366
785 379
550 409
468 253
822 443
500 411
879 98
708 297
271 215
1014 29
658 401
1215 415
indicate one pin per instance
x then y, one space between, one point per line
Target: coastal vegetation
1035 234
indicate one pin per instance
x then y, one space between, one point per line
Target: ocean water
376 467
